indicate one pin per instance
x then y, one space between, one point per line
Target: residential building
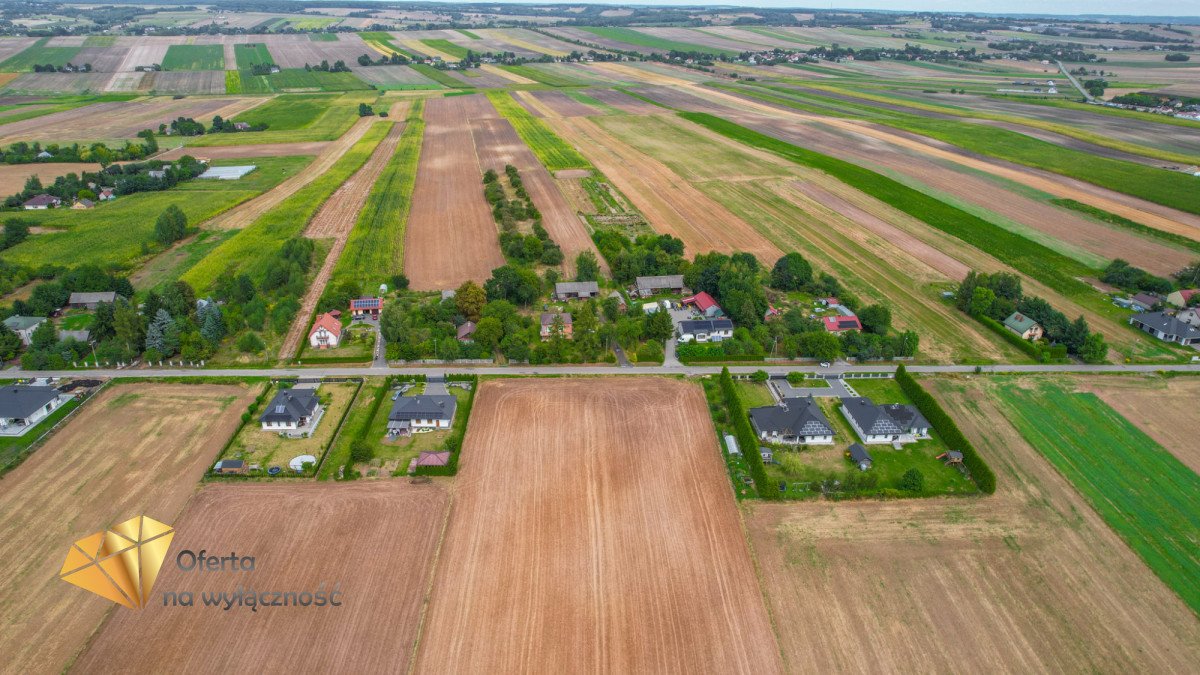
705 330
1024 326
425 412
466 332
1166 327
293 412
241 126
83 203
41 202
158 174
92 300
576 290
890 423
859 455
24 326
548 324
1190 316
839 323
365 308
705 304
23 406
620 300
794 421
1144 302
326 332
1182 297
106 194
667 283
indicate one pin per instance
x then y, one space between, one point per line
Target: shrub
912 480
361 451
746 438
250 342
760 376
954 439
795 378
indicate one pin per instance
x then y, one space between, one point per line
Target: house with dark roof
859 456
576 290
547 329
1166 328
1144 302
705 304
91 300
794 421
890 423
22 406
426 412
705 330
466 332
293 412
1024 326
666 283
365 308
41 202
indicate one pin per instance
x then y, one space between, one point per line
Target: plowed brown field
13 176
594 530
451 235
1027 580
133 450
375 540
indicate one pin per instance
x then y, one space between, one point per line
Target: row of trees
124 179
29 153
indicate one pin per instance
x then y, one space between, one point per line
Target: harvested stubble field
135 449
13 176
1014 577
374 540
293 51
451 235
120 119
581 551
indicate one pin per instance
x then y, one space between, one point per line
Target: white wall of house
795 440
322 338
876 439
37 415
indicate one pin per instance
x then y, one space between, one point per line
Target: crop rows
552 151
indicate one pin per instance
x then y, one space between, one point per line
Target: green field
551 150
113 233
290 111
440 76
194 57
323 37
46 106
38 54
299 79
233 82
544 77
632 37
338 114
469 34
375 249
252 54
100 41
249 248
1140 489
384 39
447 47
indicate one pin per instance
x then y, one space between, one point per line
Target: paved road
589 370
1086 95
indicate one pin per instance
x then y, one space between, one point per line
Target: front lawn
269 448
754 394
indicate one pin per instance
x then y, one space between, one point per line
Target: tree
212 323
488 332
44 337
179 299
981 301
1189 277
1094 349
795 378
361 451
821 346
912 480
791 273
759 376
171 226
15 232
659 326
250 343
102 327
127 328
470 299
10 343
162 335
587 268
876 319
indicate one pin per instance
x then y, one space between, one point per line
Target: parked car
824 364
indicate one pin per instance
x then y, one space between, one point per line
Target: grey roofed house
19 402
794 418
290 406
91 300
883 420
665 282
565 290
705 327
423 407
1166 327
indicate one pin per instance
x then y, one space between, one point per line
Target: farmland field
194 57
292 531
1163 409
298 79
553 152
252 54
38 54
338 114
604 543
134 449
446 47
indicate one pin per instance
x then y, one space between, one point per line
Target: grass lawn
1138 487
392 455
252 54
76 319
194 57
268 448
357 346
38 54
13 449
754 394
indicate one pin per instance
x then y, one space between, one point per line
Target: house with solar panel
426 412
365 309
794 421
893 423
294 412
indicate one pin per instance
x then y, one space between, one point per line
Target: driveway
669 358
781 388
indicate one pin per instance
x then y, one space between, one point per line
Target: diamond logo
120 564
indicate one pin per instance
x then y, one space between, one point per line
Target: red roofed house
365 308
1181 298
704 303
837 324
326 332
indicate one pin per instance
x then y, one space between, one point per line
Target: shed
859 456
575 290
227 172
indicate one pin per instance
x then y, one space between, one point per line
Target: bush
760 376
746 438
250 343
795 378
954 439
912 480
361 451
650 352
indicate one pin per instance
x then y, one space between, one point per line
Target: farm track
245 214
335 220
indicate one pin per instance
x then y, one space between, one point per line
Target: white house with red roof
1181 298
326 332
705 304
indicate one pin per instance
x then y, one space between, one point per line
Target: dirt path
245 214
335 220
230 57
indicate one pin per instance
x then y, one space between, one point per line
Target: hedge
361 433
981 473
454 443
746 438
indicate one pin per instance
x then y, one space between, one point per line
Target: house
576 290
1144 302
44 155
365 308
106 194
794 421
466 332
621 306
859 456
157 173
771 313
42 202
1190 316
326 332
704 303
667 283
92 300
24 326
1024 326
705 330
890 423
1166 328
22 406
839 323
421 413
82 203
548 324
230 467
241 126
293 412
1182 297
828 302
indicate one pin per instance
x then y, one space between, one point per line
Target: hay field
571 548
135 449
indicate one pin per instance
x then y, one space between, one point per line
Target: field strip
506 36
639 74
418 47
245 214
335 220
230 57
500 72
528 99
